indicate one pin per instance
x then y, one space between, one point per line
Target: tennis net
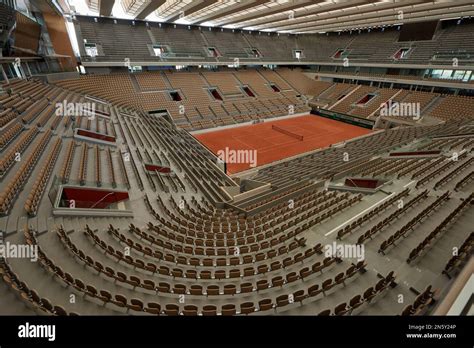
284 131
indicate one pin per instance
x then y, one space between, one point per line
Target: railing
57 181
449 55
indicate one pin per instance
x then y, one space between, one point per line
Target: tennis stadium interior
219 158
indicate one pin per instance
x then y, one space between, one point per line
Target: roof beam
320 9
326 17
378 11
418 16
193 9
148 9
295 4
232 9
105 8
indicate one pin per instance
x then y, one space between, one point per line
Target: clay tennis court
272 145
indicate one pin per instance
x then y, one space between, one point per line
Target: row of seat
200 109
211 290
6 116
421 303
17 103
39 186
292 217
183 43
30 297
377 166
121 301
82 174
16 183
208 262
232 230
463 253
422 170
243 249
463 182
9 134
216 228
395 215
56 121
415 165
408 227
453 107
277 196
110 166
33 112
20 146
65 171
431 239
374 212
455 172
98 167
326 163
439 170
370 295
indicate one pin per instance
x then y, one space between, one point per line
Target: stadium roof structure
289 16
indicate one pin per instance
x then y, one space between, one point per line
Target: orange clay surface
271 145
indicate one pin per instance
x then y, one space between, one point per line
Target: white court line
363 212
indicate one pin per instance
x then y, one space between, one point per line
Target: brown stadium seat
228 309
341 309
282 301
230 289
171 309
264 305
247 308
153 308
136 305
212 290
190 310
262 284
195 289
244 255
209 310
246 287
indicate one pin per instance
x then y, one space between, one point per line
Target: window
213 52
364 100
446 74
248 91
256 53
275 88
215 94
459 74
91 50
159 50
298 54
467 76
436 74
339 54
175 96
402 53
